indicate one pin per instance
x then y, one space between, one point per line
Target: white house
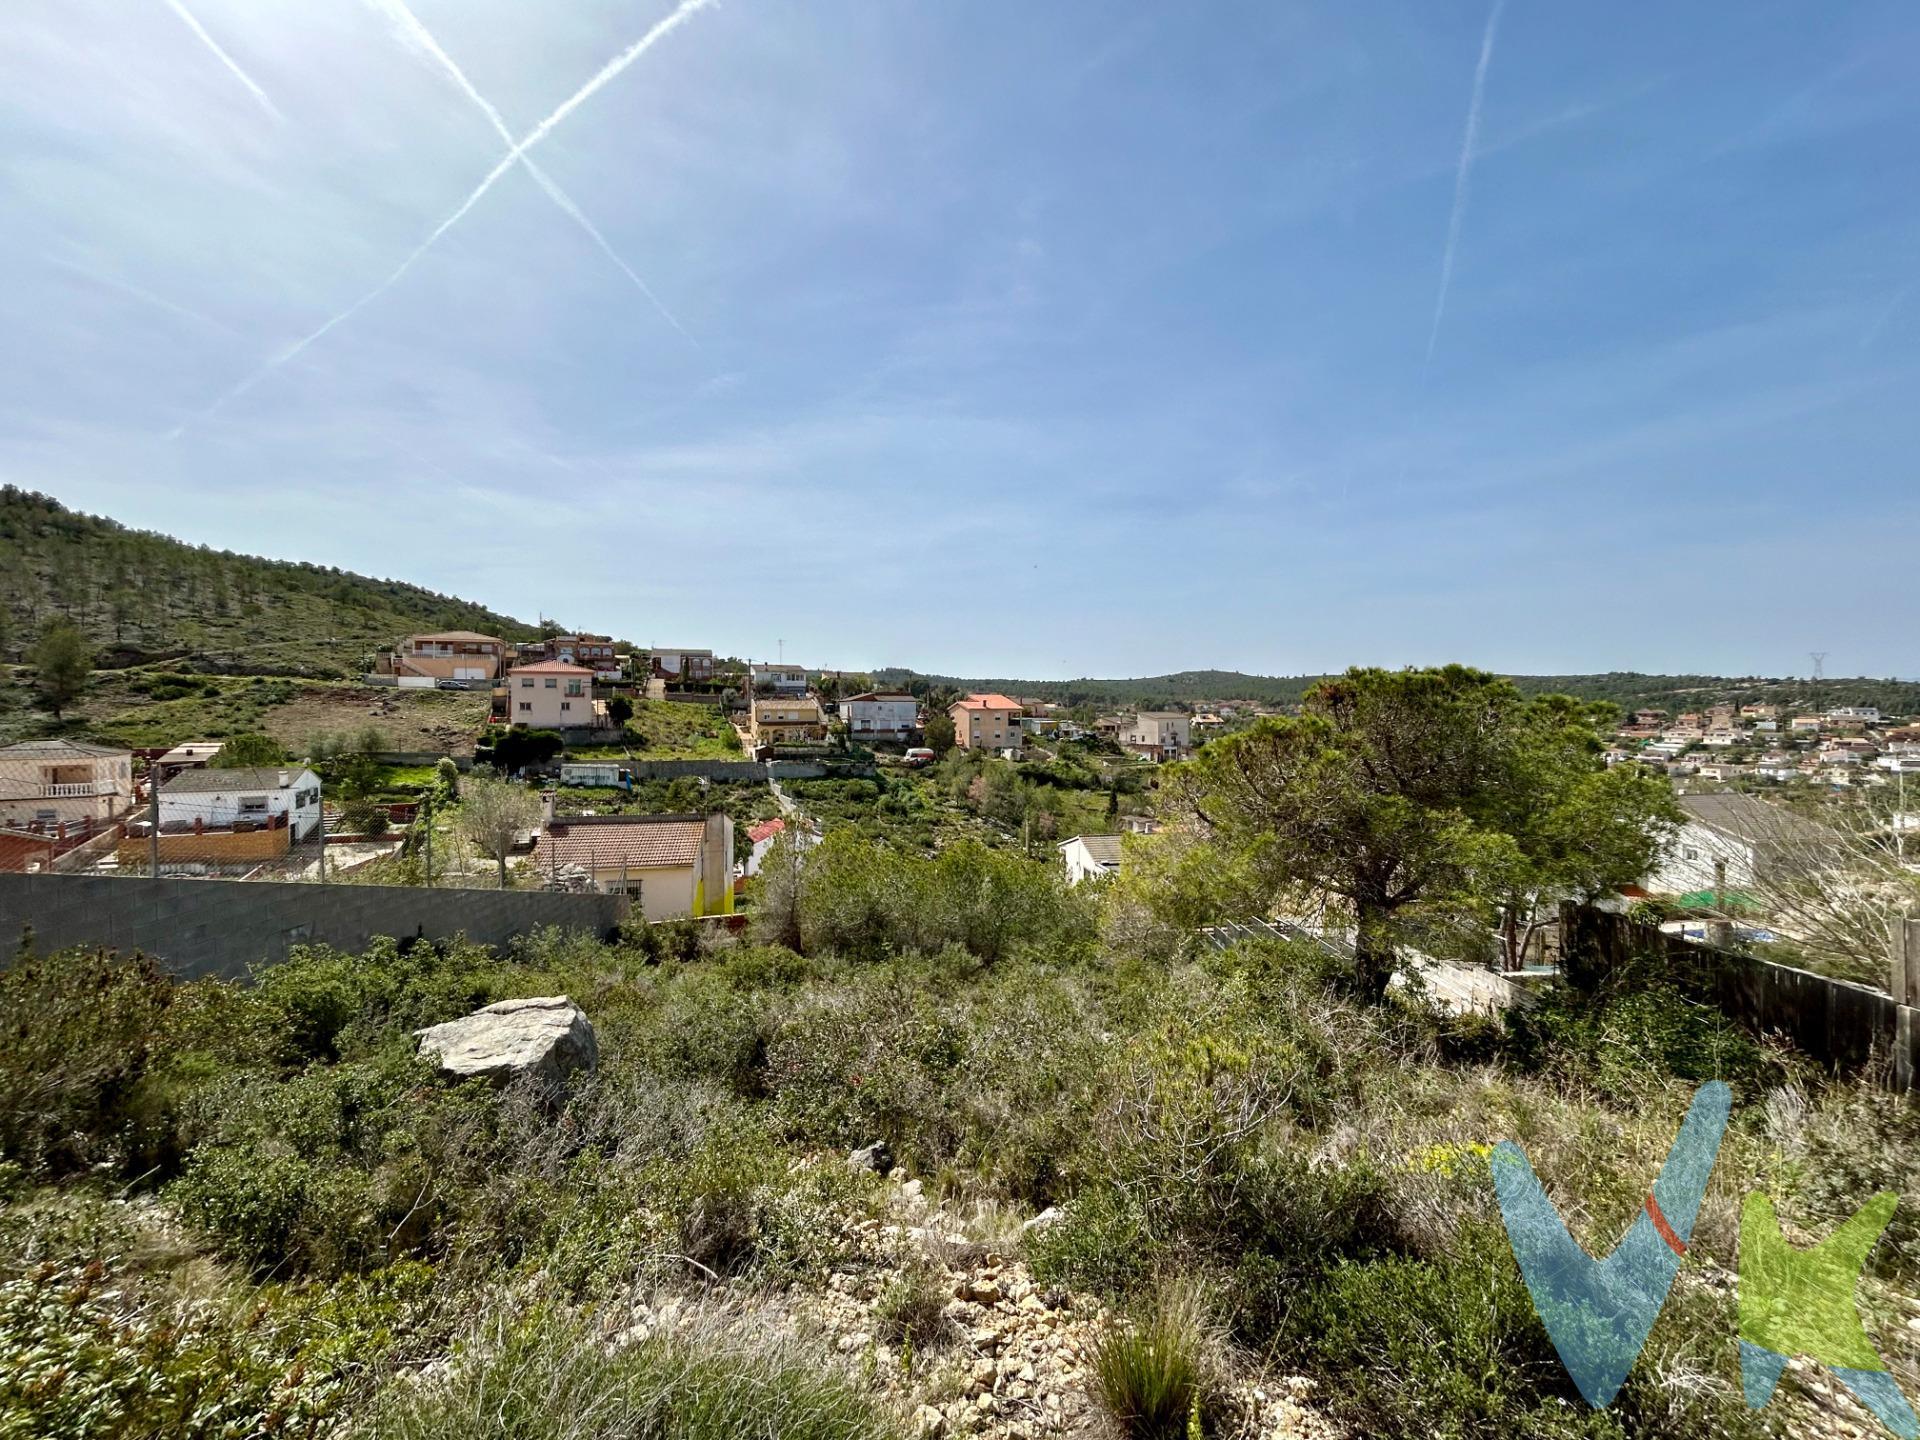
680 663
1868 713
1751 837
1087 856
220 799
771 678
1159 734
881 715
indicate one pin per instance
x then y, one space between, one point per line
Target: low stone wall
228 927
1843 1025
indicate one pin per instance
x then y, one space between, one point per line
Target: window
566 705
573 687
253 804
526 705
553 684
526 684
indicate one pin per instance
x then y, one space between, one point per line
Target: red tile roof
551 667
639 844
987 702
766 828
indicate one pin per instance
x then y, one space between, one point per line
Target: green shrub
867 901
94 1344
1640 1036
77 1033
341 1004
339 1168
1447 1347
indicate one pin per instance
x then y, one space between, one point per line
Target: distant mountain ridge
1625 688
141 595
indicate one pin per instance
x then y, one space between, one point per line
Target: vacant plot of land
667 730
149 708
440 720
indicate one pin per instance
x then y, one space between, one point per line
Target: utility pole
426 802
1819 658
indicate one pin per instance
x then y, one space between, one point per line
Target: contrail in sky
607 73
225 59
1464 173
410 25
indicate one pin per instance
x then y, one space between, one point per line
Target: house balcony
74 790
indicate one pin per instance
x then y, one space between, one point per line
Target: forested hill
1625 688
143 595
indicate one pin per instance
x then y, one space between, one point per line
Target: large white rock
546 1037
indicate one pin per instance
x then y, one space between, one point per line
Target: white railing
74 789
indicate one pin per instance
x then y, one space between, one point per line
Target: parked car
453 684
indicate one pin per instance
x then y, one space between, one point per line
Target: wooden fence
1844 1026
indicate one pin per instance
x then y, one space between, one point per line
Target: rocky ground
1008 1358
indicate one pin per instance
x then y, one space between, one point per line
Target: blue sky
1001 338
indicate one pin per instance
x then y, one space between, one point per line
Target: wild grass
712 1376
1154 1373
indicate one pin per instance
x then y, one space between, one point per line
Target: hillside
143 597
1625 688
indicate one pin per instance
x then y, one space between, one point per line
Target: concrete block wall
227 927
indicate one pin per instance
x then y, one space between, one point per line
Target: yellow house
794 721
62 782
669 866
985 722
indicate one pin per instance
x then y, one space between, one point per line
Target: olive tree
493 813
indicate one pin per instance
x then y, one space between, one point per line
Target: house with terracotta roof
669 866
985 722
553 695
762 835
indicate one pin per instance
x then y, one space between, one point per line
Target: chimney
546 809
286 778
